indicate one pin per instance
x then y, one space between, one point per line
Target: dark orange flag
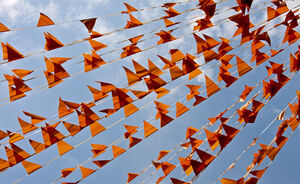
10 53
97 94
186 165
67 171
21 73
92 62
177 181
246 92
131 76
3 28
131 176
30 167
149 129
169 23
165 36
98 149
167 167
242 67
26 127
190 131
180 109
89 23
85 172
52 42
97 45
162 154
34 118
134 22
133 141
63 147
37 146
44 20
206 158
203 24
117 150
101 163
129 8
153 69
211 87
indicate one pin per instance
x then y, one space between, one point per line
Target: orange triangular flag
211 87
14 137
38 147
89 23
149 129
153 69
131 176
30 167
130 130
242 67
177 181
96 128
10 53
133 141
164 119
52 42
26 127
44 20
98 149
85 172
3 28
34 118
131 76
180 109
117 150
101 163
134 22
21 73
129 8
67 171
97 45
97 94
72 129
190 132
63 147
167 167
162 154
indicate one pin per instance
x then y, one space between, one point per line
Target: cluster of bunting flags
202 143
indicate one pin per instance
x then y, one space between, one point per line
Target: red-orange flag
10 53
52 42
44 20
89 23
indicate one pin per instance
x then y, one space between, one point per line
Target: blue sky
25 13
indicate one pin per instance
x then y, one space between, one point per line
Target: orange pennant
242 67
30 167
117 150
131 176
180 109
10 53
63 147
38 147
97 45
85 172
52 42
211 87
44 20
66 172
89 23
149 129
3 28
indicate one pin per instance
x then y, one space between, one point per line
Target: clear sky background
25 13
